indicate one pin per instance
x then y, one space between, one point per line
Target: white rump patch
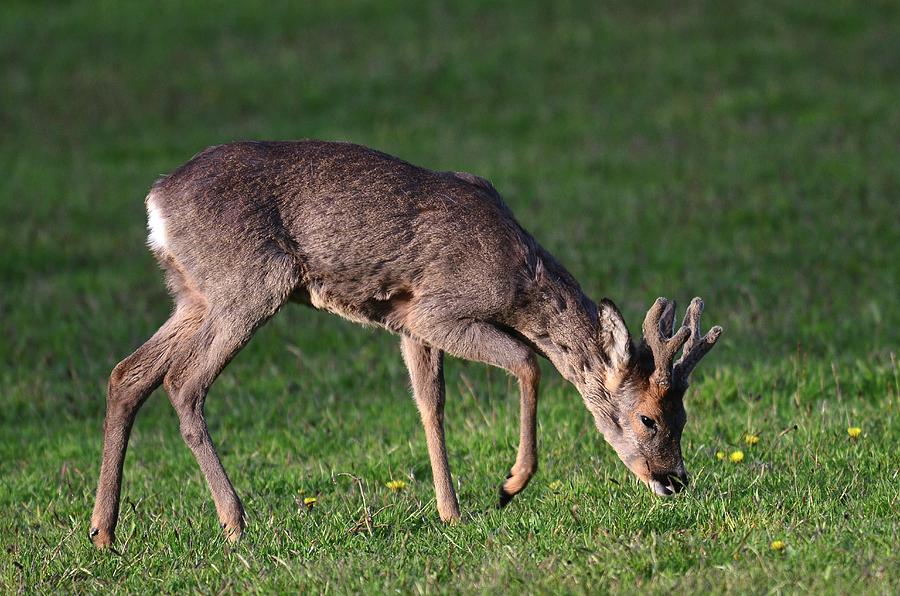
156 225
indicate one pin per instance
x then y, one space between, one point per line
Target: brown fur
436 257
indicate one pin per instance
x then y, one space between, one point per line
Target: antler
661 338
697 346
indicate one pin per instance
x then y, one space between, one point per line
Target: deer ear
614 336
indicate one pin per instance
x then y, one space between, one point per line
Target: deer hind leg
483 342
426 373
226 329
130 384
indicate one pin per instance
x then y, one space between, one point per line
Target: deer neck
561 322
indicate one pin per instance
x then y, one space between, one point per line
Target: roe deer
435 257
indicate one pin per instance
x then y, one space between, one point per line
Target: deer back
371 235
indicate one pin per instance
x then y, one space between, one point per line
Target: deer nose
669 483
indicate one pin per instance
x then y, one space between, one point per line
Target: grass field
747 154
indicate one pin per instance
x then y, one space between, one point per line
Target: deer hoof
505 495
232 533
101 538
449 514
515 482
505 498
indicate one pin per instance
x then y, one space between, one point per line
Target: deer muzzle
666 484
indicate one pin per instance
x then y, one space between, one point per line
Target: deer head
641 411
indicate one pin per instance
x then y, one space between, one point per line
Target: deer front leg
426 373
528 374
483 342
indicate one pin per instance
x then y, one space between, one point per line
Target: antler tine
661 338
697 346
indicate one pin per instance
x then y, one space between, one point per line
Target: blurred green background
743 152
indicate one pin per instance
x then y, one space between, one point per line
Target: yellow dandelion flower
778 545
395 485
751 439
854 432
736 457
720 455
310 502
555 485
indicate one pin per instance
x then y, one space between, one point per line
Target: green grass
747 154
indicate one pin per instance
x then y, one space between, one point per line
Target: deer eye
649 422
